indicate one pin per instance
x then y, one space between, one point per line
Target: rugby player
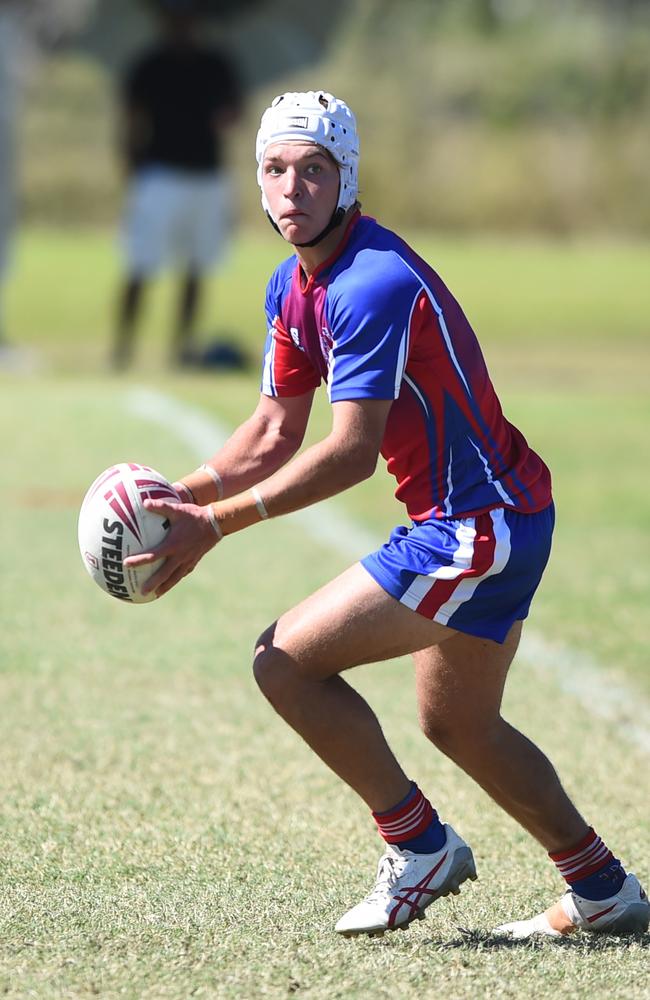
356 308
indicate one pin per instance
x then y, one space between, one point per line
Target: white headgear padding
314 116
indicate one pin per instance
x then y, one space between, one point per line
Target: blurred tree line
492 114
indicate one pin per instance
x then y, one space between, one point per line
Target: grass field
162 833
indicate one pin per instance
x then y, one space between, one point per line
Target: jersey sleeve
370 320
287 371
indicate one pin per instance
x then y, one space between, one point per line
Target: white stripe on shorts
465 589
465 533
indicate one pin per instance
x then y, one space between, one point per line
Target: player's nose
292 185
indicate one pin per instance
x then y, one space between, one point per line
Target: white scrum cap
318 117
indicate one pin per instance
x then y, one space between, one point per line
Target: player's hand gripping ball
114 524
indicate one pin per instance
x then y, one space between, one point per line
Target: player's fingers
164 508
170 582
157 579
144 558
175 577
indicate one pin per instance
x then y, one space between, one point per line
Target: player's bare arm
259 446
347 456
262 444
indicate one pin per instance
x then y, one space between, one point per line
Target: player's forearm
322 471
255 451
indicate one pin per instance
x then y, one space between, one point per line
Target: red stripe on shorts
442 591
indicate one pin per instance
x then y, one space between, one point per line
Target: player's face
301 184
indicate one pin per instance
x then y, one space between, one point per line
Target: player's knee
265 640
460 739
265 676
271 669
438 731
262 670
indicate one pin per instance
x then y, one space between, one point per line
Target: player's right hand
191 535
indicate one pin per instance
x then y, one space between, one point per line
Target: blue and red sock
590 868
412 824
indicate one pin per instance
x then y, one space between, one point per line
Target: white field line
574 672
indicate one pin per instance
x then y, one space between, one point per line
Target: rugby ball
114 524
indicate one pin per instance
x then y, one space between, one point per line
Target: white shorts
176 218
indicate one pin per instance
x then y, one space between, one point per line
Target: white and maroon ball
114 524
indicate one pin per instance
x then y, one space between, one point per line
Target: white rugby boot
628 912
407 883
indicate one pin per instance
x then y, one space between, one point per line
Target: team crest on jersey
326 342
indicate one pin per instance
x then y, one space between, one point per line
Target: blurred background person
178 99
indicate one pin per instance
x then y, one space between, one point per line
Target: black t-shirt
179 92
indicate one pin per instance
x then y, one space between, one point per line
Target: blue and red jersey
375 321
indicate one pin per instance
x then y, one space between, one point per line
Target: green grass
162 833
559 305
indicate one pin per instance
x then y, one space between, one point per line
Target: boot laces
390 868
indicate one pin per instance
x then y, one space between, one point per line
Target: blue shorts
474 574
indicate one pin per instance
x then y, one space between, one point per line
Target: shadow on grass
475 940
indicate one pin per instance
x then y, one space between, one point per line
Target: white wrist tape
185 492
259 503
216 478
214 522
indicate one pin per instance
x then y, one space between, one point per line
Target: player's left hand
190 537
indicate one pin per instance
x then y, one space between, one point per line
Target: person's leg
459 689
188 306
129 309
202 224
202 208
146 238
348 622
297 661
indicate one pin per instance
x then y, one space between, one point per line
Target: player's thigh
460 683
349 621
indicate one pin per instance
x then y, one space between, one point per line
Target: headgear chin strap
337 218
314 116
